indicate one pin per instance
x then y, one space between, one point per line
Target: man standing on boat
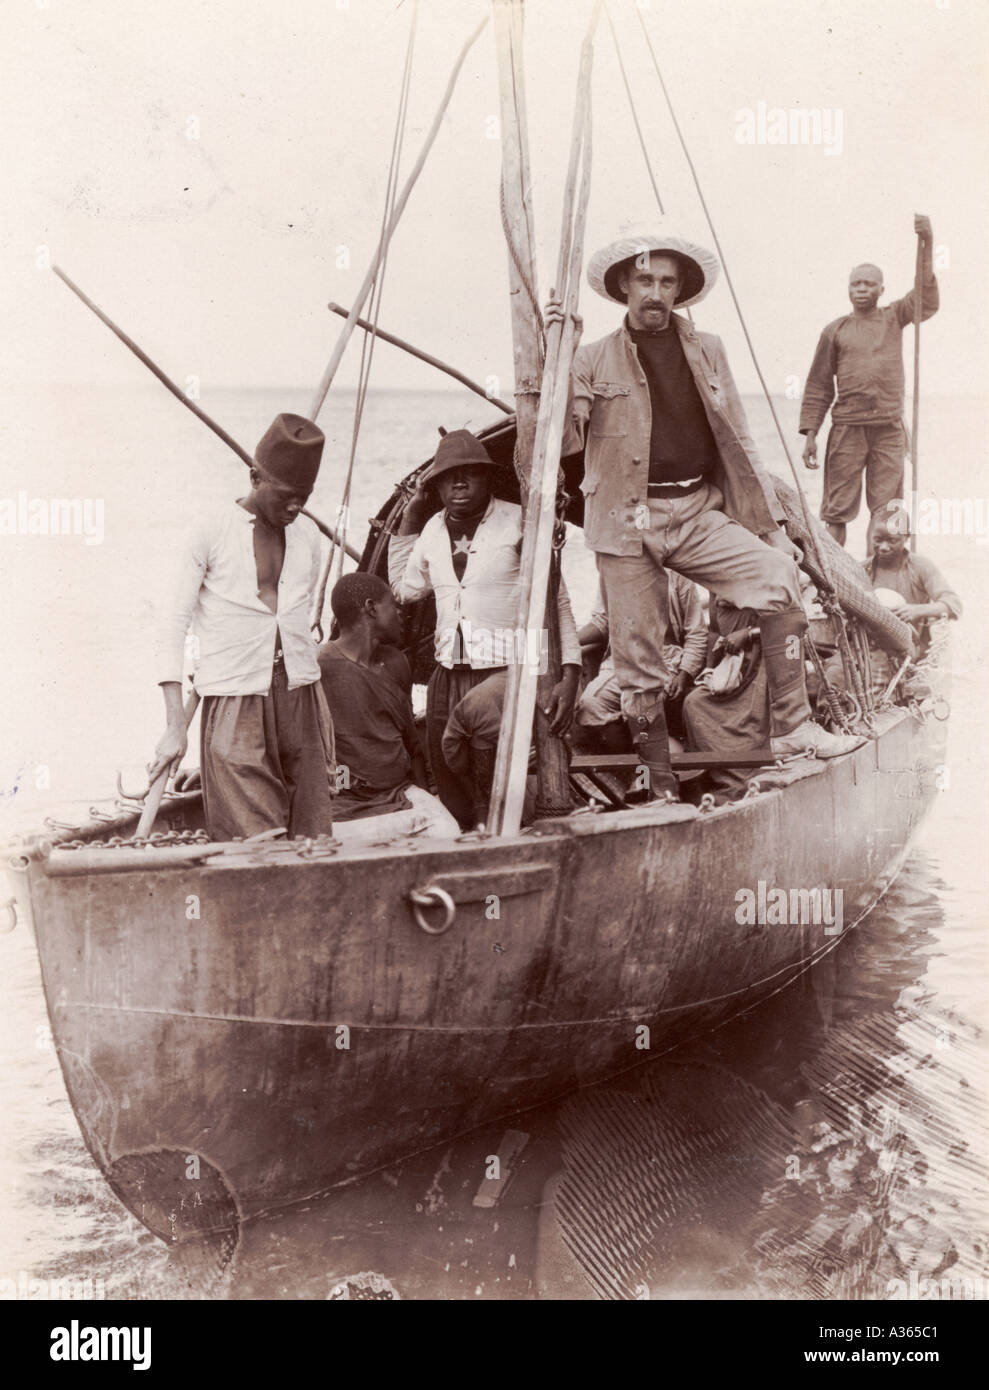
245 582
468 555
862 352
672 480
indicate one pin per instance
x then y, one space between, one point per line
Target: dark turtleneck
681 445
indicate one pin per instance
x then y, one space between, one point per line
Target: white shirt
484 604
215 591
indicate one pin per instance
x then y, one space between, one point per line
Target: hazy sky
218 252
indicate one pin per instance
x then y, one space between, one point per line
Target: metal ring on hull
10 908
432 896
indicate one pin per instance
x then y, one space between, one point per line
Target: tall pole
918 298
552 761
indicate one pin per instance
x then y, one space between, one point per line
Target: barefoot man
862 354
245 582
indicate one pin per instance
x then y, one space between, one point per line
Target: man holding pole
672 481
862 353
245 581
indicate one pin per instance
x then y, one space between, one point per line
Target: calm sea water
857 1158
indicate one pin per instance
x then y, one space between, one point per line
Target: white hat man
672 480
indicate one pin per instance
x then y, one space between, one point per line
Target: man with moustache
862 354
468 555
245 582
672 480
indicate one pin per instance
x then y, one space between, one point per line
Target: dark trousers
444 692
267 761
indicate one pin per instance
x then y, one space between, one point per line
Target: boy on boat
913 588
368 686
927 596
245 582
672 480
863 353
468 555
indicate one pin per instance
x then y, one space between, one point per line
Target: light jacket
612 419
483 605
214 589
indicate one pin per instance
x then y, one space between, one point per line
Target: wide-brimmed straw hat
700 266
458 449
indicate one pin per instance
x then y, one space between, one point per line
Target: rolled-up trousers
692 536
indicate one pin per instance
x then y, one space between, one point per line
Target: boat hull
251 1030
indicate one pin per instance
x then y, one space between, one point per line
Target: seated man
368 687
598 724
728 711
913 588
926 594
468 556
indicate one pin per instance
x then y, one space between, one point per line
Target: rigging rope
635 114
335 558
734 296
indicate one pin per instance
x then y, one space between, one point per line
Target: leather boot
791 727
651 745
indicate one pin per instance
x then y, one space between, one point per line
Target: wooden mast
517 217
540 460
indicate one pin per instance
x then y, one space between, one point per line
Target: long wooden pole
157 789
341 344
918 297
516 193
521 689
180 395
395 341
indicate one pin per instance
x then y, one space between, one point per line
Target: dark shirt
373 725
863 355
919 581
681 443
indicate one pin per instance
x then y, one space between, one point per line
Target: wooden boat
243 1026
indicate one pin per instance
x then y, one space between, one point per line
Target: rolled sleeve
408 568
930 302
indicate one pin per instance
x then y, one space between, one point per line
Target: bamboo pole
341 344
918 298
395 341
551 754
180 395
521 691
